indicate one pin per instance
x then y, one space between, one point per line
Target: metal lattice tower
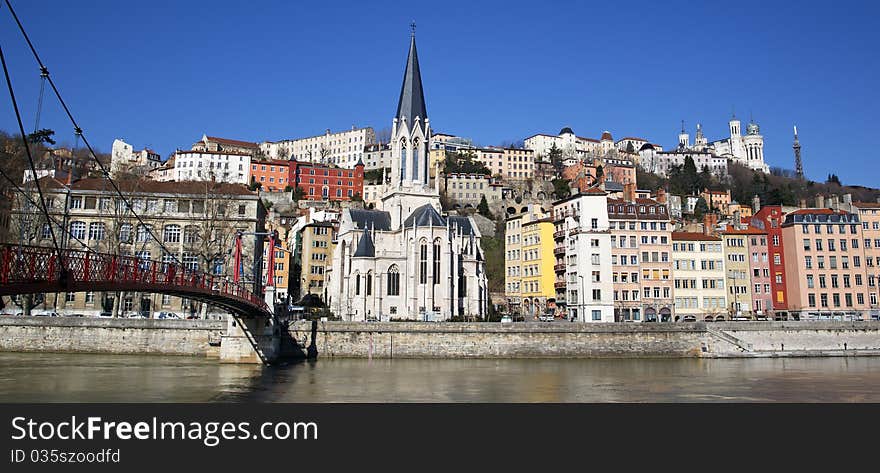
798 164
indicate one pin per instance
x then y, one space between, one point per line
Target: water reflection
99 378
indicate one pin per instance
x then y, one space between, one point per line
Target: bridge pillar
250 340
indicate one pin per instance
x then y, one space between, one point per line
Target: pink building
824 269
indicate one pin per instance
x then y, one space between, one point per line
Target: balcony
559 267
559 234
559 284
573 231
559 250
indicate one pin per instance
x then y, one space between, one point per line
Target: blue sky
162 73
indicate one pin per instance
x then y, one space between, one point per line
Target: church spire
412 97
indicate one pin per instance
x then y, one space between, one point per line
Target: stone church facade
405 259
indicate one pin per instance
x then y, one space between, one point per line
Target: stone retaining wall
122 336
572 340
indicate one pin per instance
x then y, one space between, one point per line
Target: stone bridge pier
250 340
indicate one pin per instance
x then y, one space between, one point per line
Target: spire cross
412 26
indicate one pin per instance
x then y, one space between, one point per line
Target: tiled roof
243 144
693 236
148 186
747 231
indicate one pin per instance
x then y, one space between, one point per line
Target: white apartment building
216 166
123 157
377 156
699 277
583 252
342 148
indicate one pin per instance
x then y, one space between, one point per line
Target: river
28 377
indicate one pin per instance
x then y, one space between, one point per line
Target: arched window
437 261
423 262
171 234
191 234
78 230
415 150
393 281
357 283
97 230
125 233
404 153
369 283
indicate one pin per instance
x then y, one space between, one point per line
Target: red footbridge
32 270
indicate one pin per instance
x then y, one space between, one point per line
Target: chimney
629 192
756 203
835 202
820 201
661 195
847 199
709 221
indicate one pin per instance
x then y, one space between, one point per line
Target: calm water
100 378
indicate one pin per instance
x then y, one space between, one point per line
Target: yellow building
538 292
318 243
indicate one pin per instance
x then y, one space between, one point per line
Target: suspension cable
92 154
43 75
27 148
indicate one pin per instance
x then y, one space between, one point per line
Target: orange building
272 175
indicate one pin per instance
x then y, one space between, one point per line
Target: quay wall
455 340
572 340
116 336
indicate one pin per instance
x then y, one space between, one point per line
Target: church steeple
411 129
412 97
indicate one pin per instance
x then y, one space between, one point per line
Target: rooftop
693 236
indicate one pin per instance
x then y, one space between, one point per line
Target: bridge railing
32 264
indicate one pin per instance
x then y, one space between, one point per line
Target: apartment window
597 315
78 230
171 234
597 294
96 230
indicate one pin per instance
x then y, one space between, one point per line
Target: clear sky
162 73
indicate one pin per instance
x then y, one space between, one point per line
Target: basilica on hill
406 259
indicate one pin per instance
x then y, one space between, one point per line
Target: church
405 259
747 150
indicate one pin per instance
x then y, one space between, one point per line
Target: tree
463 163
600 174
255 186
483 207
41 136
554 155
297 194
833 179
357 197
700 208
561 188
630 148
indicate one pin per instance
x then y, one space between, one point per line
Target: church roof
372 219
425 216
365 246
461 222
412 97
